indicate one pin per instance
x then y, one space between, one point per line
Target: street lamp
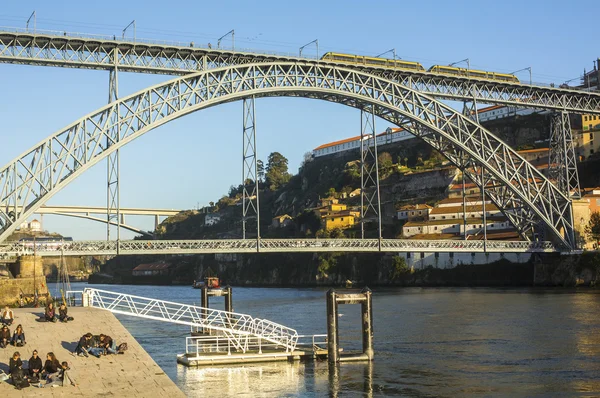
521 70
232 33
130 23
393 51
315 41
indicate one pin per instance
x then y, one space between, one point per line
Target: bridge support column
562 160
250 202
113 205
370 200
228 299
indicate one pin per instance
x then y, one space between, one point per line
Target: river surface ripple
428 342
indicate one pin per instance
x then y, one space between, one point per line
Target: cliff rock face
568 270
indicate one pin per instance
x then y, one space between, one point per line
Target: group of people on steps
54 372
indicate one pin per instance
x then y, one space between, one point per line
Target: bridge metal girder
562 163
132 247
113 169
144 57
525 196
104 220
250 201
370 198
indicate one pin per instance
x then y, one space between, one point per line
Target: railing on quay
238 327
199 345
130 247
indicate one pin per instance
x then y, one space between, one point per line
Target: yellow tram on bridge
416 66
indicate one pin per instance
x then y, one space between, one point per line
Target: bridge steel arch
536 207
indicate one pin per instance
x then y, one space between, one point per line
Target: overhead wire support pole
33 15
113 203
393 51
250 200
232 33
130 24
315 41
522 70
369 172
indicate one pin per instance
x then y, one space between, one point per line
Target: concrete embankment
133 374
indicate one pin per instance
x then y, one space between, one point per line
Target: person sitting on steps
97 346
84 345
16 371
51 367
8 316
18 338
108 344
62 378
50 314
35 367
4 336
62 313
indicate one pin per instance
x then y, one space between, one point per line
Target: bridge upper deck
105 53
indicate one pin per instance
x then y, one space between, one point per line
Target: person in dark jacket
4 336
18 337
51 367
108 344
62 378
50 314
15 362
62 313
84 345
97 348
17 374
35 367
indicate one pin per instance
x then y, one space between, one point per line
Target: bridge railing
115 38
268 245
234 325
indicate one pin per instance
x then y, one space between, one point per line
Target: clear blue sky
196 158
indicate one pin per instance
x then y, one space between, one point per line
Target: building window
591 136
585 119
422 255
443 217
435 228
407 255
437 255
451 254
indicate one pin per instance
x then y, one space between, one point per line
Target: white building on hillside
212 219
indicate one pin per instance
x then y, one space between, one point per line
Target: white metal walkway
241 330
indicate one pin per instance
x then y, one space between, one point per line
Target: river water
428 342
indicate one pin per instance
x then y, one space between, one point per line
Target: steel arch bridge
536 207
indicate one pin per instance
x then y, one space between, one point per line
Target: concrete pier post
228 299
332 327
367 323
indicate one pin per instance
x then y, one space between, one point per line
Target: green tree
399 267
593 228
260 170
385 161
277 171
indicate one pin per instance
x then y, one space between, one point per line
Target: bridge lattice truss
529 200
238 328
137 247
144 57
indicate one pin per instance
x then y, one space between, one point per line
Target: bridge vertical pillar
113 168
250 201
562 160
333 338
367 323
370 199
228 299
203 303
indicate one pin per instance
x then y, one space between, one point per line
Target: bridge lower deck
133 374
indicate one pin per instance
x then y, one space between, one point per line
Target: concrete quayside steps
134 374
